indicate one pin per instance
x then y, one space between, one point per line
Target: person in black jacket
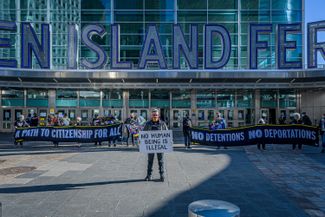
187 123
296 120
155 124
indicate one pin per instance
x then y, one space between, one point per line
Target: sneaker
148 178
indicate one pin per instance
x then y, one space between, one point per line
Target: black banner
268 134
69 134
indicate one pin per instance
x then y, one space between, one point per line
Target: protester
282 119
65 120
78 121
262 121
155 124
29 118
322 131
305 119
296 120
96 122
127 123
140 121
21 122
217 124
187 124
34 121
109 121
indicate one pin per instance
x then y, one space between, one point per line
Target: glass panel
113 98
160 98
37 102
128 4
201 115
287 98
7 115
198 4
18 113
205 99
63 94
176 115
84 115
12 94
210 115
138 98
230 115
245 99
221 4
66 103
226 99
160 4
89 98
37 98
268 99
144 114
241 115
255 4
37 94
181 99
287 5
12 102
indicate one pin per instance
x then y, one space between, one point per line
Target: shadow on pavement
61 187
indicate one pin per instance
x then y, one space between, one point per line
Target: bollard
213 208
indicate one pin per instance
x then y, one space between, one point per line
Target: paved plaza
39 180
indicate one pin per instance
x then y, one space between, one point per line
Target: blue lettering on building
152 50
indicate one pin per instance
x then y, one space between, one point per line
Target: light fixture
293 80
123 80
19 79
157 80
190 81
259 80
89 80
56 81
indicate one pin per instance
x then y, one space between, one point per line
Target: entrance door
178 115
7 120
272 116
85 118
164 115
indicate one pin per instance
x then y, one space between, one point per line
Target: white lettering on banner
156 141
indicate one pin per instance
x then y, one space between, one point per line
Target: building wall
134 16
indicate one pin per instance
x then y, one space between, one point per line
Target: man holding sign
151 143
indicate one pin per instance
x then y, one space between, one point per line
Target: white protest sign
156 141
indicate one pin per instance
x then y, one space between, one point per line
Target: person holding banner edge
155 124
262 121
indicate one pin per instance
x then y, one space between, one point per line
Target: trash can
213 208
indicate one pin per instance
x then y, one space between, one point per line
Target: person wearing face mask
322 131
155 124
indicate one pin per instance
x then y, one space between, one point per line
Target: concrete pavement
101 181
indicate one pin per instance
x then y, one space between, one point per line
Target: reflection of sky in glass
313 13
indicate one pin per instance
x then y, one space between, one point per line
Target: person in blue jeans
322 131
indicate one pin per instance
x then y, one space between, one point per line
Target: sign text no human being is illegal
156 141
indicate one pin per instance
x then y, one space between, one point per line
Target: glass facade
134 16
